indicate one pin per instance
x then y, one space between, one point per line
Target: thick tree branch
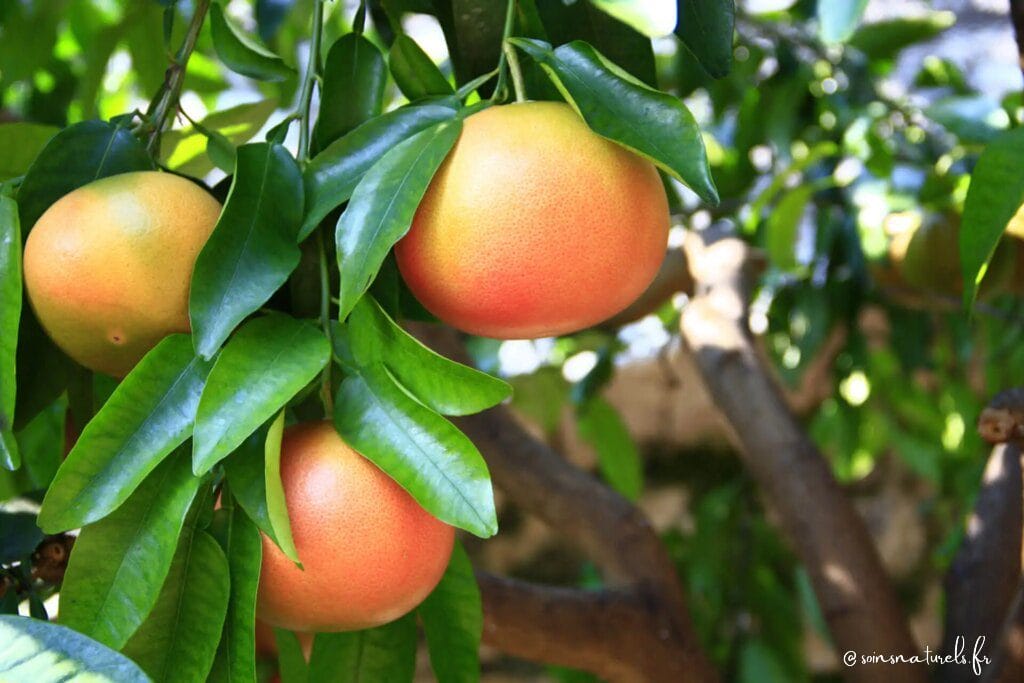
984 575
857 599
1008 655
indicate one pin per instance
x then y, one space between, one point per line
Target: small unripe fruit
370 553
534 226
108 266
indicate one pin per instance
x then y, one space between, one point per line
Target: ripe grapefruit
534 226
108 266
369 552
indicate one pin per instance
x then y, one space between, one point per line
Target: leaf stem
510 15
306 94
517 73
166 103
325 322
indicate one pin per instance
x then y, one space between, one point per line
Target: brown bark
857 599
1008 657
984 576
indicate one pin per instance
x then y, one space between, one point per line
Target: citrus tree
256 401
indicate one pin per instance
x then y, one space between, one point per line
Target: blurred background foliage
842 147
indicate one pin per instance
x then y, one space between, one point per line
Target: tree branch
857 599
1017 18
1008 656
984 575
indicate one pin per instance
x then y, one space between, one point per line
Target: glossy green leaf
838 19
41 652
148 416
10 318
431 459
333 174
242 53
353 87
653 124
386 653
252 250
21 143
452 618
236 654
885 39
277 510
653 18
441 384
179 640
993 198
19 536
383 204
602 427
77 155
414 72
186 150
706 29
119 564
263 366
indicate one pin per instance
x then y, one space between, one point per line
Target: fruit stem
306 94
517 74
510 15
325 322
170 92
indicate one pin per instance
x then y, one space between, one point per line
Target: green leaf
148 416
386 653
119 564
440 384
993 198
706 28
602 427
179 640
21 143
383 205
353 87
453 622
418 448
885 39
236 654
653 18
291 660
783 225
277 510
414 72
252 250
838 19
10 318
38 651
186 150
616 106
333 174
40 359
264 365
972 118
19 536
77 155
242 53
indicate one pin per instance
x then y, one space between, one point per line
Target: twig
306 93
856 597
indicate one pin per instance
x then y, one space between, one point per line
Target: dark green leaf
40 359
353 87
602 427
148 416
419 449
993 198
242 53
263 366
383 205
119 564
38 651
236 655
838 19
10 317
252 250
386 653
416 75
291 661
333 174
179 639
21 143
653 124
453 622
472 29
441 384
706 27
885 39
19 536
77 155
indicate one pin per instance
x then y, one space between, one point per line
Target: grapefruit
534 226
108 266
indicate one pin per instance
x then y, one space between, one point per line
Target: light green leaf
21 143
838 19
602 427
653 18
